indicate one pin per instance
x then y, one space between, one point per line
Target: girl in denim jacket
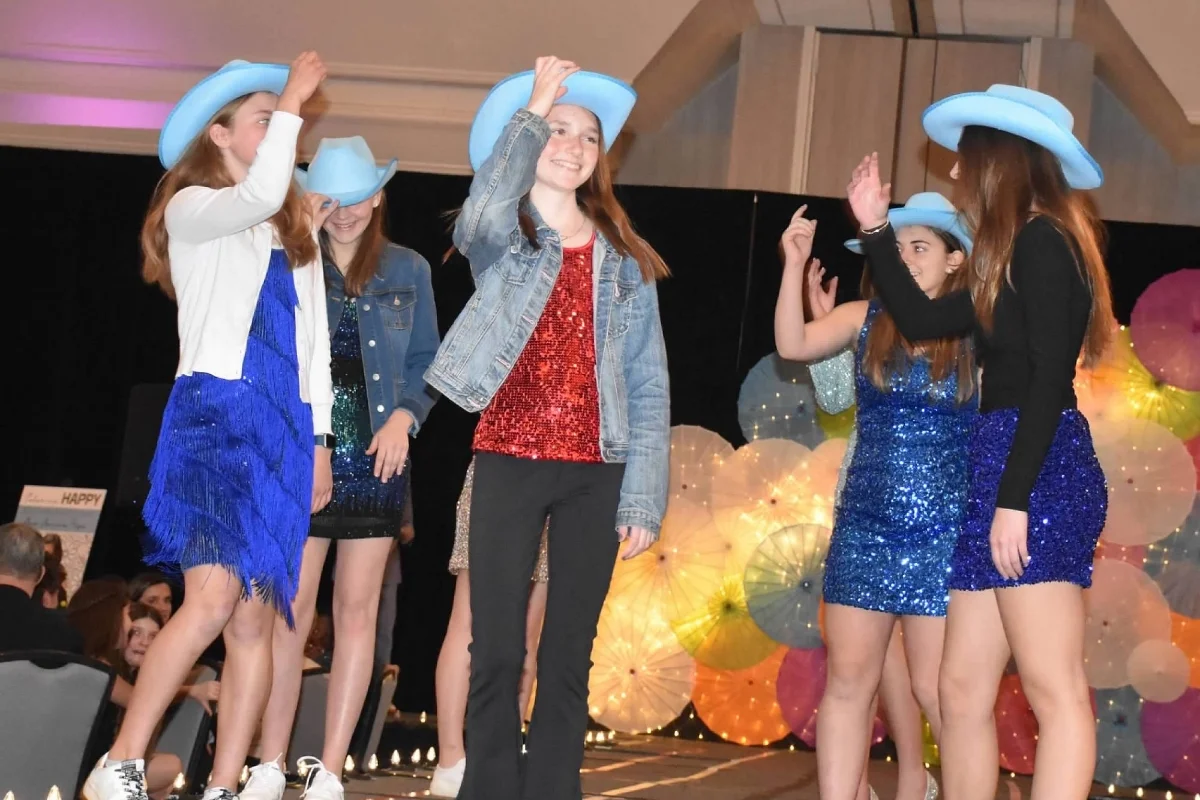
383 327
561 349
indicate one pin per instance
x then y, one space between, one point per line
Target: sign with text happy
70 512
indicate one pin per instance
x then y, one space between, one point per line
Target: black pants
509 503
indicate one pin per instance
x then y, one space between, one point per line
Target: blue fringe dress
231 479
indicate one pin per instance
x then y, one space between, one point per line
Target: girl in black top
1039 299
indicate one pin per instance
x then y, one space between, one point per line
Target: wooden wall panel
1065 69
916 93
692 149
855 105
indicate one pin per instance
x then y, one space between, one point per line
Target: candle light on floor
9 796
54 794
395 758
245 774
180 781
373 762
431 756
424 717
416 756
349 765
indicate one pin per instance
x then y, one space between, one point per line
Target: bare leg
533 632
161 771
972 665
356 589
453 676
210 596
245 684
903 719
857 641
287 654
923 644
1044 623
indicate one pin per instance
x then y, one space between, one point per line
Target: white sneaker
120 780
321 784
218 793
448 780
266 782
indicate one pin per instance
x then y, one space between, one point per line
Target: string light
1140 792
423 717
349 765
431 756
54 794
396 758
9 796
180 782
1112 789
416 756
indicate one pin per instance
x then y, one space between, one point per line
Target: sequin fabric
462 528
362 506
1067 506
833 384
549 406
231 478
905 492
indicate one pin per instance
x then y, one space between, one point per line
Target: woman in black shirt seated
1039 297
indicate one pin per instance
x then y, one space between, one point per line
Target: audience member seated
24 624
144 624
154 589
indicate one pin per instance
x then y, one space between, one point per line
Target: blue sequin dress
363 507
906 489
231 479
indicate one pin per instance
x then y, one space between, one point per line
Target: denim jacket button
371 343
379 409
375 377
366 306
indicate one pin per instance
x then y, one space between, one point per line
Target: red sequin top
549 406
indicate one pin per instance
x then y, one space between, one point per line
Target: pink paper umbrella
1166 329
799 688
1172 739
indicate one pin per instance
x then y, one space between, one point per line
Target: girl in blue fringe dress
243 454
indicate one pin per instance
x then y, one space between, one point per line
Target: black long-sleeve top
1029 355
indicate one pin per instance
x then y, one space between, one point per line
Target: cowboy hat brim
353 196
944 122
947 221
611 100
195 110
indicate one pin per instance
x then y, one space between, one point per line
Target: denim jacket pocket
520 261
396 308
622 310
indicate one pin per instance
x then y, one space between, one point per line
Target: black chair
308 734
185 731
52 705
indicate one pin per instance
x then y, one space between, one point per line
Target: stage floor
657 768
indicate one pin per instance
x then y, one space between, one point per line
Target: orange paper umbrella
696 455
641 678
740 705
1124 608
1185 634
678 574
722 635
1151 481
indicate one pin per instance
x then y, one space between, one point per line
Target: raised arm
1044 275
489 214
198 214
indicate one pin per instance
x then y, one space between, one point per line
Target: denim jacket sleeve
644 489
489 214
419 397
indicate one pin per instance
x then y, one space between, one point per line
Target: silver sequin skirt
462 527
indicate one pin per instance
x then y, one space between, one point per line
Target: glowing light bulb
373 763
424 717
431 755
9 796
416 756
1112 789
589 738
180 781
54 794
395 758
349 765
1141 792
245 775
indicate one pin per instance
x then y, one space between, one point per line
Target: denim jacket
397 327
513 281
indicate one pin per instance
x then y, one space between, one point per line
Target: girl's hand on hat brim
321 207
549 72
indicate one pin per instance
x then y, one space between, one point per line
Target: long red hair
1005 177
203 165
366 258
887 352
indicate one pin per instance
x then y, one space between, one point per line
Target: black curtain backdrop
83 330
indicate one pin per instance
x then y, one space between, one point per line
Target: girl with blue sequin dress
383 325
239 468
905 486
1038 300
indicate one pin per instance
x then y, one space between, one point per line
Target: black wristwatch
324 440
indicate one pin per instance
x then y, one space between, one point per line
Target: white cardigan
219 242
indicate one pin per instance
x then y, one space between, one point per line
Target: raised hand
321 207
549 72
869 197
306 74
797 239
820 301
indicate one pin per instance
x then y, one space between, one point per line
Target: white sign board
72 513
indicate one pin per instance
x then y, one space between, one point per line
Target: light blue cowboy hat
929 209
192 114
609 99
344 170
1022 112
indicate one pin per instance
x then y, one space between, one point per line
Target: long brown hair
887 352
97 612
366 257
203 165
1004 177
